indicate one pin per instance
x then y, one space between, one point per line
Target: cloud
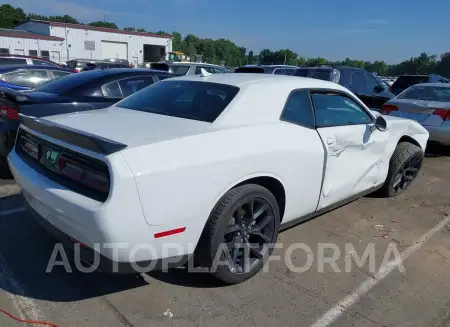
374 22
359 30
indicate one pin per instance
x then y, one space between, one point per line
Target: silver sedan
427 103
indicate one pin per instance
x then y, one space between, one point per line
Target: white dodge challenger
208 168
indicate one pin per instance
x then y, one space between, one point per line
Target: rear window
64 84
258 70
403 82
201 101
76 64
12 61
429 93
319 73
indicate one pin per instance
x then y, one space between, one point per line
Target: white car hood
127 126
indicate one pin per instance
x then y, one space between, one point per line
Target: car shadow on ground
436 151
182 276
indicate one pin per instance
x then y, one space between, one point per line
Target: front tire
404 167
237 238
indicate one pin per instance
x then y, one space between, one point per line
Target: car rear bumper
88 257
440 134
115 229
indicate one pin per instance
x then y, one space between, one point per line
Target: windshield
69 82
429 93
184 99
323 74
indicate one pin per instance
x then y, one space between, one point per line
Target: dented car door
354 148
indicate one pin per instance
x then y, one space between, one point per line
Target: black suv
362 83
405 81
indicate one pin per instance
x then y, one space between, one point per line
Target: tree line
226 52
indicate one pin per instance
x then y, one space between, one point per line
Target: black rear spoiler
75 137
12 95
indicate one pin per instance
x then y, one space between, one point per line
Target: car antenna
204 73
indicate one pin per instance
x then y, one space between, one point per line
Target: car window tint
30 78
59 73
40 62
359 82
279 71
12 61
345 78
403 82
112 90
179 69
288 71
298 109
162 77
428 93
371 82
337 110
185 99
132 85
209 69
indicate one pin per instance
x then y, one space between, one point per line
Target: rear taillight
74 71
444 113
386 109
83 174
8 111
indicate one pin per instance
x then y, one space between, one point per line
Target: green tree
250 58
10 17
141 30
130 29
104 24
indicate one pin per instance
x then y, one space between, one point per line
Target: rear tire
237 238
404 167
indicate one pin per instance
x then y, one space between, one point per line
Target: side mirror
378 88
381 123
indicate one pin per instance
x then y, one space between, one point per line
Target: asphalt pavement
413 229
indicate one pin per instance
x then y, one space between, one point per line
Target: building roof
27 35
100 29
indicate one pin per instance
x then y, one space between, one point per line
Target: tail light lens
84 174
74 70
444 113
9 112
386 109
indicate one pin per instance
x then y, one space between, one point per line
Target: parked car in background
27 77
363 84
103 65
214 165
77 92
188 68
267 69
119 61
8 60
405 81
79 64
427 103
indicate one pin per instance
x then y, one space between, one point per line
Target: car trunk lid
127 126
428 113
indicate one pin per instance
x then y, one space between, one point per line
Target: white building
62 42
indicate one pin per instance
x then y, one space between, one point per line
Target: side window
209 69
59 73
298 110
132 85
39 62
358 82
346 78
112 90
30 78
218 70
279 71
12 61
289 71
161 77
338 110
371 82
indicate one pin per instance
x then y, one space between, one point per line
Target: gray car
188 68
427 103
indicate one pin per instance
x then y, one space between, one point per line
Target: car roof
245 79
14 67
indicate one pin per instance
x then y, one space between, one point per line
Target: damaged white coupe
207 161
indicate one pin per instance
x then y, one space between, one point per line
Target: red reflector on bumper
170 232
